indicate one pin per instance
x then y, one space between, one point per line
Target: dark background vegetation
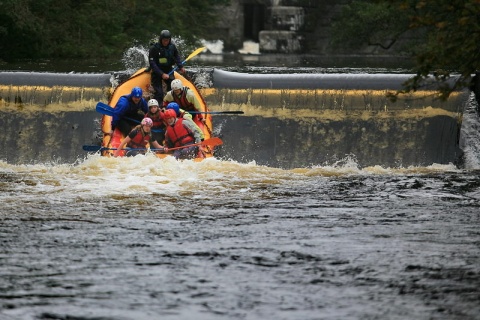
37 29
443 36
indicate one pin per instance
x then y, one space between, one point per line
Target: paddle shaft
193 54
216 112
91 148
108 111
207 142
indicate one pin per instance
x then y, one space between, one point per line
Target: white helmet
177 84
152 102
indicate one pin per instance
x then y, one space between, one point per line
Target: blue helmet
137 92
175 107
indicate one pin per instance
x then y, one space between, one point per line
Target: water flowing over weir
318 118
48 116
293 120
33 88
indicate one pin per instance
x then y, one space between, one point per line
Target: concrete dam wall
289 121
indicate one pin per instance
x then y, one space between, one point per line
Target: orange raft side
141 79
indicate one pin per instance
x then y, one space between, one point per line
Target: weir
51 91
327 91
290 121
323 118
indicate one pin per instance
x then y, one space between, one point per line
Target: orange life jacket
179 135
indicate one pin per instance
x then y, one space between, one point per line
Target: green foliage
449 31
450 53
96 28
363 23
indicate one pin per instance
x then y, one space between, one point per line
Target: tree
447 37
365 23
35 29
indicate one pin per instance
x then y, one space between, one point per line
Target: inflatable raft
141 79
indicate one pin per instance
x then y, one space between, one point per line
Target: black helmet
165 34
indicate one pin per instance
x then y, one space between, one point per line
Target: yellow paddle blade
194 53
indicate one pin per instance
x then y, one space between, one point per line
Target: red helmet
170 113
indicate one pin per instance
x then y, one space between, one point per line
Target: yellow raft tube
141 79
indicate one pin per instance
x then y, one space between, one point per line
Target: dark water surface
137 57
320 218
141 239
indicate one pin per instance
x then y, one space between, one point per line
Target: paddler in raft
161 58
185 98
182 133
154 113
138 139
183 114
129 110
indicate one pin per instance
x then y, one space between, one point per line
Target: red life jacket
179 135
182 100
185 104
157 119
141 138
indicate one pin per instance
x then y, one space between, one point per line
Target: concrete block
280 41
286 18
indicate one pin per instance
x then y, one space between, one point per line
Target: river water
87 237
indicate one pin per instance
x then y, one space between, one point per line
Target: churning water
238 237
143 238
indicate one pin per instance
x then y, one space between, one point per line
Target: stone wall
279 26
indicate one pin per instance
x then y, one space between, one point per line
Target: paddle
212 142
104 109
193 54
108 111
216 112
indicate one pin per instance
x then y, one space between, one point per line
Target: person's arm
196 104
168 98
168 143
193 99
185 114
202 135
122 145
125 141
144 106
152 53
157 145
119 111
194 129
